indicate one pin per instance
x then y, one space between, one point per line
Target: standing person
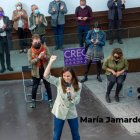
83 15
68 95
5 41
95 40
38 57
20 19
38 22
115 18
115 66
57 10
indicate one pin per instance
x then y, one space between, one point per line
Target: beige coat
33 62
24 19
63 108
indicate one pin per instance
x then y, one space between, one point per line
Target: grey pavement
128 107
19 121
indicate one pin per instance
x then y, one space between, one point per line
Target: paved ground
129 107
18 121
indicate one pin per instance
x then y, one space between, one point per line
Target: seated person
115 66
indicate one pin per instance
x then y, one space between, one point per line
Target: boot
84 79
10 68
107 97
111 42
117 98
2 70
99 78
33 104
138 96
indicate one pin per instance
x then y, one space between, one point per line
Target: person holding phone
83 15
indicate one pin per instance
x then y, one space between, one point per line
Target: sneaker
21 51
138 96
56 48
33 104
10 68
50 104
61 48
99 78
120 41
111 42
84 79
2 70
25 50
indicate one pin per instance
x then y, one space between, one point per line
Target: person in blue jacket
95 41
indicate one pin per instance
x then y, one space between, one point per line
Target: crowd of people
90 36
37 24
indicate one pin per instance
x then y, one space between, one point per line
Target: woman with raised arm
68 95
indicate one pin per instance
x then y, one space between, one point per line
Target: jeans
112 80
58 33
82 33
58 126
115 24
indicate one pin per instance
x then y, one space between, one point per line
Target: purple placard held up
74 57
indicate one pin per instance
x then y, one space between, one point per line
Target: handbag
54 22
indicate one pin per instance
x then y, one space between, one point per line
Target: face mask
96 30
1 14
36 11
18 7
37 45
82 7
117 58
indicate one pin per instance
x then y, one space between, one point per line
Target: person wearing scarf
38 56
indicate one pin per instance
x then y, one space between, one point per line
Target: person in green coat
5 41
116 67
38 22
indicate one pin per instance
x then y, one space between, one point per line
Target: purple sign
74 57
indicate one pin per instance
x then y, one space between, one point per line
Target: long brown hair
74 80
117 51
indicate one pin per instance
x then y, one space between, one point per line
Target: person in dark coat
115 18
5 41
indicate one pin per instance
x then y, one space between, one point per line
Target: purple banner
74 57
